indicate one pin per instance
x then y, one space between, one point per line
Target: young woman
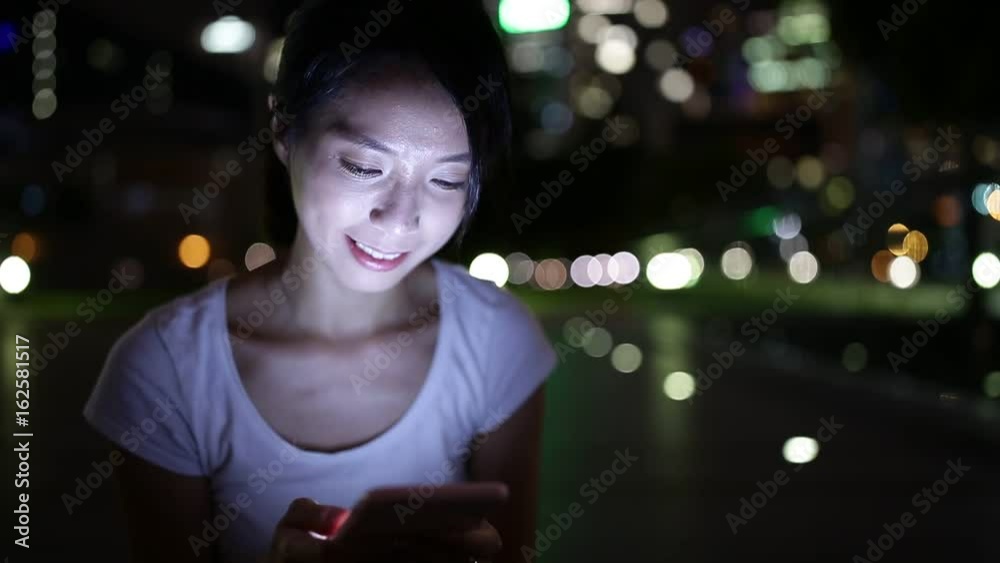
257 409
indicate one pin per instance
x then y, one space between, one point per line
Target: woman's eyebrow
360 139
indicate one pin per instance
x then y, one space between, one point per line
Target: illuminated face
380 176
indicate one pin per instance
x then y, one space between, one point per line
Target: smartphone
421 509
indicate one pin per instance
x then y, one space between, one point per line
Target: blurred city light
490 267
615 56
585 271
626 358
800 449
880 265
677 85
605 6
855 357
530 16
228 34
787 226
697 262
626 268
521 268
737 263
803 267
591 27
259 254
651 13
895 237
790 247
993 204
986 270
598 343
669 270
194 251
991 385
915 246
550 274
15 275
679 386
24 245
904 273
981 194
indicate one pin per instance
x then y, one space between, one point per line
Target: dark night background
653 191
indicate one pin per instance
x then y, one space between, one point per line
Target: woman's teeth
375 253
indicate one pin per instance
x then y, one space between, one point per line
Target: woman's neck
320 305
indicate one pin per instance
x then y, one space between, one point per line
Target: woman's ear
279 125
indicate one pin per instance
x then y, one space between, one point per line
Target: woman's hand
293 543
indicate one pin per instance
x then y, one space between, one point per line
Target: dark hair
328 42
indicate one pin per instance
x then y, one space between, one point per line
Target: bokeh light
991 385
15 274
626 358
598 343
679 386
669 270
24 245
737 263
895 237
880 265
550 274
915 246
677 85
194 251
651 13
259 254
803 267
521 267
697 264
981 194
904 273
855 357
810 172
490 267
788 226
800 449
585 271
626 269
986 270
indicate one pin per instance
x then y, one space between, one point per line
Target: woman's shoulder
174 324
490 305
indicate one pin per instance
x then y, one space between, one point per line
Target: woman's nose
398 213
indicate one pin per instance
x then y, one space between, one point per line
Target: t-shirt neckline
248 410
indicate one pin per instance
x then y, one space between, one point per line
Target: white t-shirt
170 393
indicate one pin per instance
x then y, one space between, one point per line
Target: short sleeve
518 361
138 405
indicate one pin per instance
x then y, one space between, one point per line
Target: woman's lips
366 259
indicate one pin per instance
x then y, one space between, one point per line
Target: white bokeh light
491 267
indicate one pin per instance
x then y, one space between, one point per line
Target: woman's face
380 176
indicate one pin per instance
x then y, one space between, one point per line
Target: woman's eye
449 185
359 171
